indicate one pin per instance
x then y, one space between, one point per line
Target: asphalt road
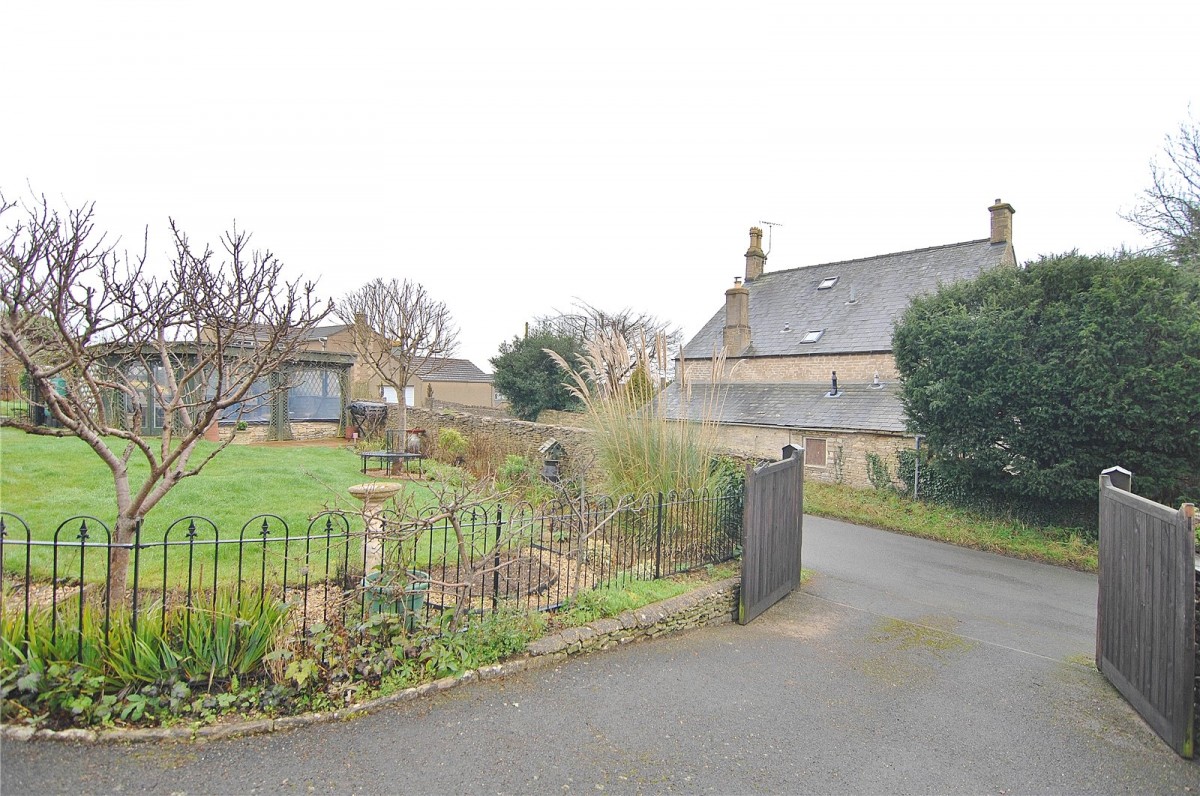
903 666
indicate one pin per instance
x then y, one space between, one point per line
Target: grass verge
891 512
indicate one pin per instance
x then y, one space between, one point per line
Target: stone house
439 381
808 352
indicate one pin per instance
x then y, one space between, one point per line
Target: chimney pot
755 258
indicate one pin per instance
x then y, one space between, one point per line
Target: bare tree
115 352
589 324
1169 210
399 330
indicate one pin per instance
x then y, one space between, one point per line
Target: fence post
1119 477
658 522
83 537
496 561
137 554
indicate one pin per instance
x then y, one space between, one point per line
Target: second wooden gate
773 532
1145 613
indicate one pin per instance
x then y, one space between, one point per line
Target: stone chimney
1002 213
754 255
737 316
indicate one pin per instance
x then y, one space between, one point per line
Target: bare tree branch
399 331
105 342
1169 210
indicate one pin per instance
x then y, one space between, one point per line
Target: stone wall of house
465 393
813 369
845 452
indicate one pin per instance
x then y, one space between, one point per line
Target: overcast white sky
513 156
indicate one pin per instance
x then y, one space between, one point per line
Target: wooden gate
773 530
1145 612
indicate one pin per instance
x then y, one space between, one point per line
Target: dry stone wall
713 604
513 436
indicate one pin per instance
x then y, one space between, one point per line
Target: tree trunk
118 561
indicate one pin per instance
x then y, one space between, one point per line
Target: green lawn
46 480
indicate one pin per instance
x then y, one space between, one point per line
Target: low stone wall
513 436
306 430
713 604
556 417
710 605
315 429
449 406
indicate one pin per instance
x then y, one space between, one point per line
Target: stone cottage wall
811 369
845 452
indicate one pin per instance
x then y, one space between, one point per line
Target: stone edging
710 605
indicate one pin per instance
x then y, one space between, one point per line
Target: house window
389 395
814 452
827 283
812 336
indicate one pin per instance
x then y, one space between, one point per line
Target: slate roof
857 314
858 407
450 369
327 331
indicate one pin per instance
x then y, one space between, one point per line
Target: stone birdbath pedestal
374 496
386 592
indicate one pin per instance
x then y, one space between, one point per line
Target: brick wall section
814 369
713 604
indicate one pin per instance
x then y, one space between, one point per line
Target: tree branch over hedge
1169 210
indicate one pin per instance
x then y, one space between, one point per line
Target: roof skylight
812 336
827 283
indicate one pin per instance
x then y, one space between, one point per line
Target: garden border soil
714 603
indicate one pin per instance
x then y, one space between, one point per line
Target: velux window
812 336
827 283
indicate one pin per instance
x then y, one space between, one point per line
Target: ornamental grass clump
640 450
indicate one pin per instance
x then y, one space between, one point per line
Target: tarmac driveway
903 666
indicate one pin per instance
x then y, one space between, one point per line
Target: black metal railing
476 561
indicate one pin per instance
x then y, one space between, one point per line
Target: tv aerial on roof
769 225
